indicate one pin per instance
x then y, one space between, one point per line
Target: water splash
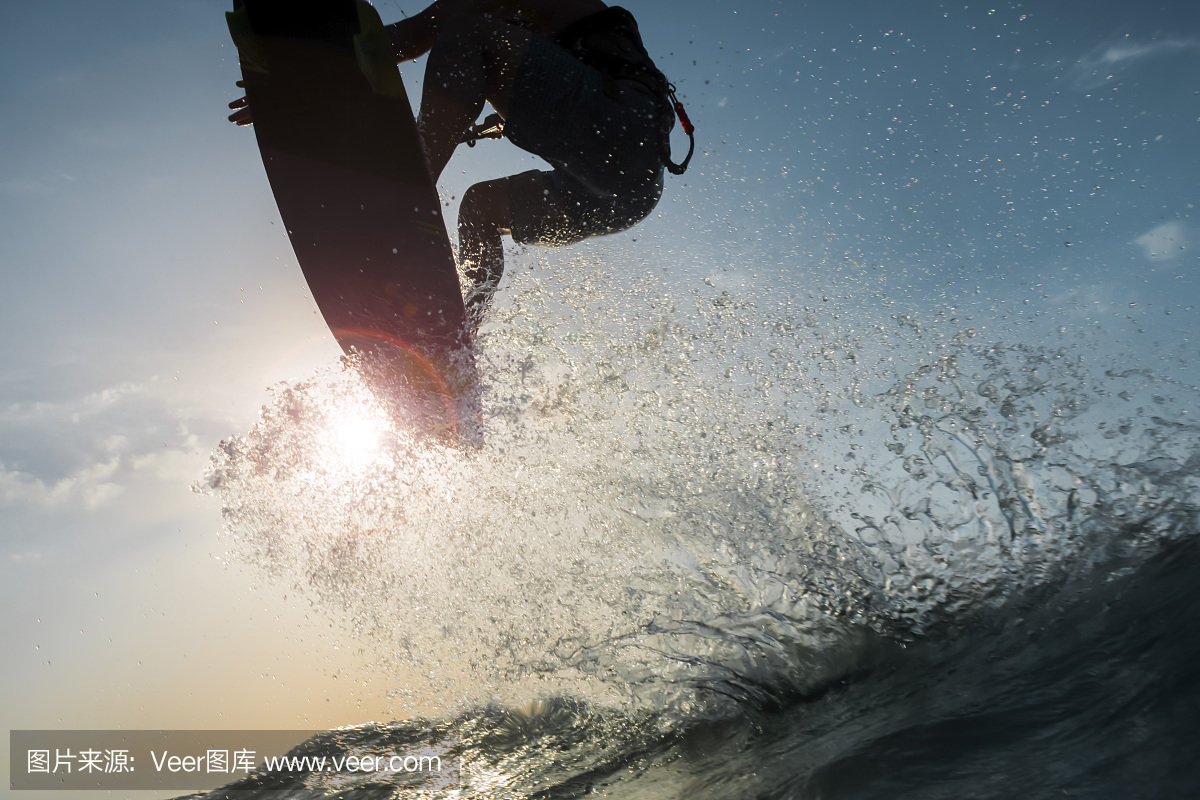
685 505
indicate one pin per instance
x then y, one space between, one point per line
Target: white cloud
88 487
1164 242
83 453
1134 51
174 465
1100 65
106 398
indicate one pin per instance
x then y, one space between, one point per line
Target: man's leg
483 217
473 61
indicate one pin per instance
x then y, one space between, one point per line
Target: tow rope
688 128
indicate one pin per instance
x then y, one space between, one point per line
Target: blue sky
981 155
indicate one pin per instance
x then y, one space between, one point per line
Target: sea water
726 536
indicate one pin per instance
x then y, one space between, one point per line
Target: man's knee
485 205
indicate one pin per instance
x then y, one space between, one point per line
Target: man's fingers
241 114
242 117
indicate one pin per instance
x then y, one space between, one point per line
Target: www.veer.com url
385 764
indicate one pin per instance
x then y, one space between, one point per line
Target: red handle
688 127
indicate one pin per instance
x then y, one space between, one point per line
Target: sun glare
357 440
354 435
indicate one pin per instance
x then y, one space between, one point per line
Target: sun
354 434
356 439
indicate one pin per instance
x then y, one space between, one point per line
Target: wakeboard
341 151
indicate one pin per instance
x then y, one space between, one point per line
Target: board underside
341 151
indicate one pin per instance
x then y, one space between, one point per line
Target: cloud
84 452
1164 242
88 487
107 398
1101 64
178 465
1137 52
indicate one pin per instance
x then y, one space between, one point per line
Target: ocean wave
696 508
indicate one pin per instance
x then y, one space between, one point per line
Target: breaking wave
687 506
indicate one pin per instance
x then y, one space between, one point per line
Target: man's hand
241 114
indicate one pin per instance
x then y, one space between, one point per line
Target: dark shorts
608 169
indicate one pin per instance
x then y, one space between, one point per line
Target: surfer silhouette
571 82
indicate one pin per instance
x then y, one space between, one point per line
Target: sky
985 156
